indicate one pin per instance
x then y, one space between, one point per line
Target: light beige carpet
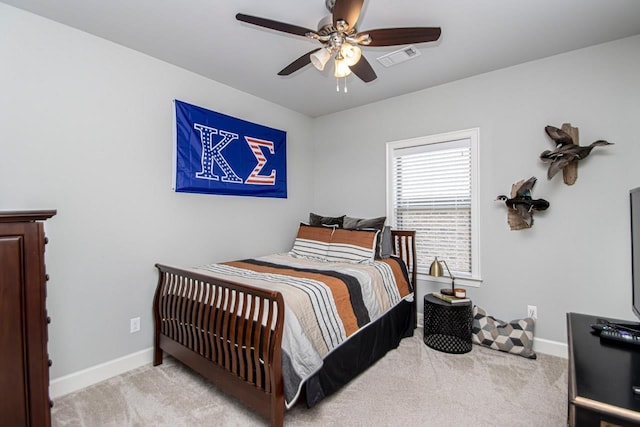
412 385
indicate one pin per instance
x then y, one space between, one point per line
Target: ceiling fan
341 40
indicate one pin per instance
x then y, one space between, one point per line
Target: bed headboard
404 246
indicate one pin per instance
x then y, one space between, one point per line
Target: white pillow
354 246
312 242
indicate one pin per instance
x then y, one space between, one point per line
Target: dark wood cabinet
24 361
601 377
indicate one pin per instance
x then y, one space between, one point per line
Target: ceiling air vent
398 56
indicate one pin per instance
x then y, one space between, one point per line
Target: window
433 189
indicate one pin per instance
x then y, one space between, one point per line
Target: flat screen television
634 202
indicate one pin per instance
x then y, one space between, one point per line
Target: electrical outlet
532 311
134 325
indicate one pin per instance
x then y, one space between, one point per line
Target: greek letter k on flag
220 154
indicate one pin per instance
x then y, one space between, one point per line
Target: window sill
471 282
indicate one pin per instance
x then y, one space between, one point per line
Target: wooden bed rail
230 334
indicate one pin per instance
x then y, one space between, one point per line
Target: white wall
86 128
577 255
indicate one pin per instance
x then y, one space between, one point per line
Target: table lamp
436 271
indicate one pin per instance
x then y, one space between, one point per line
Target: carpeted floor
412 385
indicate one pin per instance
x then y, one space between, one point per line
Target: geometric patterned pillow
513 337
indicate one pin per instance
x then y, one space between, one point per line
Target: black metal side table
447 327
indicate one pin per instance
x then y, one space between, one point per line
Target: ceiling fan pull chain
338 85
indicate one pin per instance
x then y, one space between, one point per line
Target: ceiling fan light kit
320 58
341 40
351 54
341 69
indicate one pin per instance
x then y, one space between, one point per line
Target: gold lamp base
435 270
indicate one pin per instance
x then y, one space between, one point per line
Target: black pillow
318 220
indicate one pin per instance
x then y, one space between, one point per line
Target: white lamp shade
341 68
320 58
350 53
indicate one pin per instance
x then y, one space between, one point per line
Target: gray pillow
317 220
386 247
368 224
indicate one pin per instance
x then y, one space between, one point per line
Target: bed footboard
228 332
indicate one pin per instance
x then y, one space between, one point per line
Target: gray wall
86 128
577 255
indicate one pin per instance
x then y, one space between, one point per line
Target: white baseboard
552 348
81 379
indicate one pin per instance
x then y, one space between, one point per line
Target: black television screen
634 199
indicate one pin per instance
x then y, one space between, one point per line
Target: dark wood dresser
24 361
601 377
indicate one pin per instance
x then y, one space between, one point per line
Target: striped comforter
325 303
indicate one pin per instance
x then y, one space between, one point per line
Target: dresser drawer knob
46 277
50 362
48 319
46 240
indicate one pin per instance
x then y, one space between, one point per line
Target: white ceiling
477 36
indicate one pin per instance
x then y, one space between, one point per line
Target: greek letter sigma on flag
220 154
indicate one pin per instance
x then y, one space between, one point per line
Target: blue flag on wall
220 154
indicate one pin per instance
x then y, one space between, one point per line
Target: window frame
473 134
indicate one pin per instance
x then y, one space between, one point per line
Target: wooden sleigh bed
232 334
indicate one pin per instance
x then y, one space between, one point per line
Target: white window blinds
431 192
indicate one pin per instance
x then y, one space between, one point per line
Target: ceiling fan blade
274 25
347 10
398 36
363 70
304 60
